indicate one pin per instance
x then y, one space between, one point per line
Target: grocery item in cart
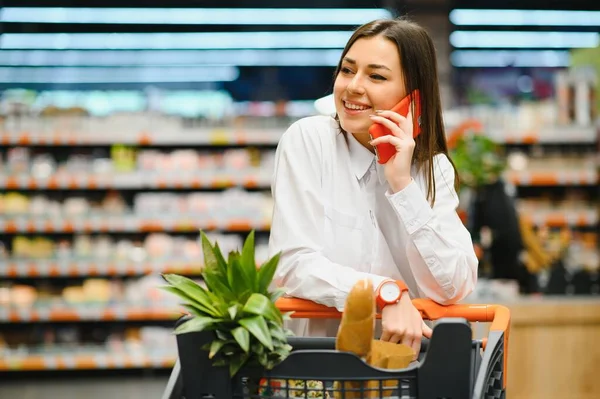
356 335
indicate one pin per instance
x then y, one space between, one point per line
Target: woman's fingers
386 335
416 346
404 123
393 116
397 142
396 338
390 124
393 140
427 331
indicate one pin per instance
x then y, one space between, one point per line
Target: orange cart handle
430 310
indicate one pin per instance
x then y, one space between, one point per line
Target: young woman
339 216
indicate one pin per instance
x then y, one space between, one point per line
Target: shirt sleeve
440 250
297 229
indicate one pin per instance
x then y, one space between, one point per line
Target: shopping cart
452 365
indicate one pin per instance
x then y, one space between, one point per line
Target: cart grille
495 374
272 387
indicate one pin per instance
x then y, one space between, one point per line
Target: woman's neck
363 139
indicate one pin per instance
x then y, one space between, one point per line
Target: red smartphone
385 151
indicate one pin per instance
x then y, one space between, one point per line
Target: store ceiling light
296 57
68 75
469 17
523 39
194 16
193 40
503 58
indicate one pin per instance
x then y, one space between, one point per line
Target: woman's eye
378 77
346 70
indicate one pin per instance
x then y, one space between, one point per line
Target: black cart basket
452 365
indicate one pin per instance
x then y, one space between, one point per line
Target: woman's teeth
355 107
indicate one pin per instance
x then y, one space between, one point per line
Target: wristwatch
389 292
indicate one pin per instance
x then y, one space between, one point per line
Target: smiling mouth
354 107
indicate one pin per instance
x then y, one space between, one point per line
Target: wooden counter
554 348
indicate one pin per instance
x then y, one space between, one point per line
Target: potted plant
478 159
237 304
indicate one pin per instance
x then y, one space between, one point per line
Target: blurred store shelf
34 268
100 360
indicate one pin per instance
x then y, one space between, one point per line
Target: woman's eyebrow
372 66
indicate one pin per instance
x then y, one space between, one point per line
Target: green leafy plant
237 305
478 159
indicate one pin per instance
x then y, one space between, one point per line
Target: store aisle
88 388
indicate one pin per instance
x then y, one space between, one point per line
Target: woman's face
370 79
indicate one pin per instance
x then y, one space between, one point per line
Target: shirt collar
361 160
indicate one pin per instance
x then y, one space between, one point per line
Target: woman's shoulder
311 131
313 126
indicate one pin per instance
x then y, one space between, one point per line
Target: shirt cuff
411 206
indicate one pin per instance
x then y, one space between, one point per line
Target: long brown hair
419 66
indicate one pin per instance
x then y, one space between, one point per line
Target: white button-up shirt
336 221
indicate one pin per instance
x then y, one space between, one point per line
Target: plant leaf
248 262
260 305
190 291
258 348
220 259
233 311
257 326
287 315
217 284
177 292
236 364
263 359
266 273
278 334
196 324
239 285
242 337
223 336
215 347
194 310
277 293
210 260
220 303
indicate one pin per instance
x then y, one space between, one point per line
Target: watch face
390 292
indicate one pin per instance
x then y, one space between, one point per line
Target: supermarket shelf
212 137
539 178
124 223
139 180
86 362
33 268
64 313
227 136
562 218
545 135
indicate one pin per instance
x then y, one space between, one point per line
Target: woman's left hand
402 324
397 169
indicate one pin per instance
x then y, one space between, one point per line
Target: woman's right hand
402 324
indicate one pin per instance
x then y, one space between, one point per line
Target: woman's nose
355 85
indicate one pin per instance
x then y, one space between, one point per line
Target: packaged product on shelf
15 203
18 160
43 166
